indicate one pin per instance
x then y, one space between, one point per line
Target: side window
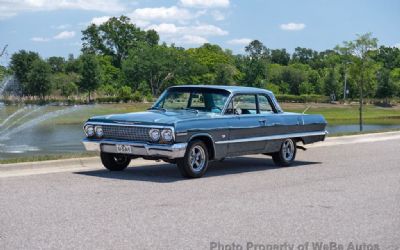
244 104
264 105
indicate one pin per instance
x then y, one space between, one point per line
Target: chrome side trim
274 137
171 151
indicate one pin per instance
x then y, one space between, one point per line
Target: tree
388 56
332 87
73 65
304 55
66 83
115 38
57 64
90 73
386 89
362 68
156 65
280 56
39 79
225 74
257 50
21 64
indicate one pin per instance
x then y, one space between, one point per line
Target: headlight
99 131
154 134
167 134
89 130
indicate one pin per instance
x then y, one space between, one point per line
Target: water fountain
8 82
19 128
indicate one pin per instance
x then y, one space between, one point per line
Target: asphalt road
342 192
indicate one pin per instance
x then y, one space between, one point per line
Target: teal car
191 125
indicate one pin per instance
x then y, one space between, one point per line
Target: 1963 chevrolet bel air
194 124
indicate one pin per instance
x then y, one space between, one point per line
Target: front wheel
285 156
115 162
195 162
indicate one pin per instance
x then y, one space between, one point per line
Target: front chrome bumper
171 151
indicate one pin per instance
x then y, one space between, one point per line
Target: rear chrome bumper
171 151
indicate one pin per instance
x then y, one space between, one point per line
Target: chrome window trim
273 137
268 95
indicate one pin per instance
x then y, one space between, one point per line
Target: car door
245 125
273 123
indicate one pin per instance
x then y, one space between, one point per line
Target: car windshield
196 99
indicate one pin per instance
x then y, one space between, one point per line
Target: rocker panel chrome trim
274 137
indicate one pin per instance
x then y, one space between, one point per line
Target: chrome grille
130 133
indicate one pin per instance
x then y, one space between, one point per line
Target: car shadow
166 173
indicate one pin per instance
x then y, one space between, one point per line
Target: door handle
263 121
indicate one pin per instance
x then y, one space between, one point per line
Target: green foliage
39 79
57 64
225 74
108 90
115 37
65 83
306 88
125 93
70 88
90 72
156 65
21 65
302 98
331 84
137 97
121 62
274 88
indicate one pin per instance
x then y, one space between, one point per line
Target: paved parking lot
342 193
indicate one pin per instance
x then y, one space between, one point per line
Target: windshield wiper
157 108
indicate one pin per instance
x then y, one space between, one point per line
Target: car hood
152 117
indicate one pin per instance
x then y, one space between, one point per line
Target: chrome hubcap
288 150
197 158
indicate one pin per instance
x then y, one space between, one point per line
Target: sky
53 27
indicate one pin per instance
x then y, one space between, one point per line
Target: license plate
124 149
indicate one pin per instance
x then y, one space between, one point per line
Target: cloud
292 26
218 15
190 39
40 39
397 45
64 35
61 27
205 3
9 8
162 13
240 41
199 30
100 20
192 34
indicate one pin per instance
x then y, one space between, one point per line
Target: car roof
232 89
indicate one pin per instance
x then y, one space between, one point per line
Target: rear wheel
115 162
195 162
286 155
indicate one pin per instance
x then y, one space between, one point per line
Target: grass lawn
337 114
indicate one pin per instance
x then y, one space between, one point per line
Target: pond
45 139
